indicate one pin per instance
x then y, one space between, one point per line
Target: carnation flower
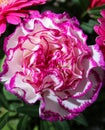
96 3
48 60
100 30
12 10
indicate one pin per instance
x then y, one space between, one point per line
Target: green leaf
95 12
29 110
1 63
81 120
3 101
23 123
4 120
45 125
9 96
13 106
88 27
75 2
11 125
61 125
36 128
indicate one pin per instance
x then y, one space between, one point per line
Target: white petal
13 65
51 104
12 40
24 90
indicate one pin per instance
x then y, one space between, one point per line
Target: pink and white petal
19 87
86 84
29 46
97 56
52 79
39 24
14 38
78 104
96 80
13 19
50 108
13 60
81 89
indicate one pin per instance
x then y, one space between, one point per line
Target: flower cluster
48 59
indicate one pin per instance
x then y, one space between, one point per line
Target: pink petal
13 19
18 14
2 27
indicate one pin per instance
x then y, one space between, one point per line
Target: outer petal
20 88
13 38
98 56
13 19
14 61
50 108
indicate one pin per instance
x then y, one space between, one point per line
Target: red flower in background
95 3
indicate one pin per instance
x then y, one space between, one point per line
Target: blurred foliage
17 115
